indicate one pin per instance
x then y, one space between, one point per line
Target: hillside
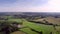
49 20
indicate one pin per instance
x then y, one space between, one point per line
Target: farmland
29 27
46 29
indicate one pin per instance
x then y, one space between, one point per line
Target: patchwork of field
46 29
34 28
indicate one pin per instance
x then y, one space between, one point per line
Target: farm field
22 24
45 29
29 16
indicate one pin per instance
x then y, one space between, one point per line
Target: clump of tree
8 28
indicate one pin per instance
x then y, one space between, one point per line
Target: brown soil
18 32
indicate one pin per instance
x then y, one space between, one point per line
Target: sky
29 5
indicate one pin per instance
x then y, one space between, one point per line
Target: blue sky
29 5
22 2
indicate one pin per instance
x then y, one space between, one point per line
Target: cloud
34 6
20 5
51 6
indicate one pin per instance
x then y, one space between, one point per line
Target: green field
14 20
46 29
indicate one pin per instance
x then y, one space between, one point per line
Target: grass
28 31
46 29
14 20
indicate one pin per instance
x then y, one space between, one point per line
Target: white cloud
51 6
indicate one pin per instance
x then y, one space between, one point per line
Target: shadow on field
6 28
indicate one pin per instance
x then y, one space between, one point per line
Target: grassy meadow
46 29
32 27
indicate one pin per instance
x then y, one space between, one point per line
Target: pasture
33 28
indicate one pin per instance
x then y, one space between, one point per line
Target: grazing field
46 29
28 31
34 28
14 20
28 26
